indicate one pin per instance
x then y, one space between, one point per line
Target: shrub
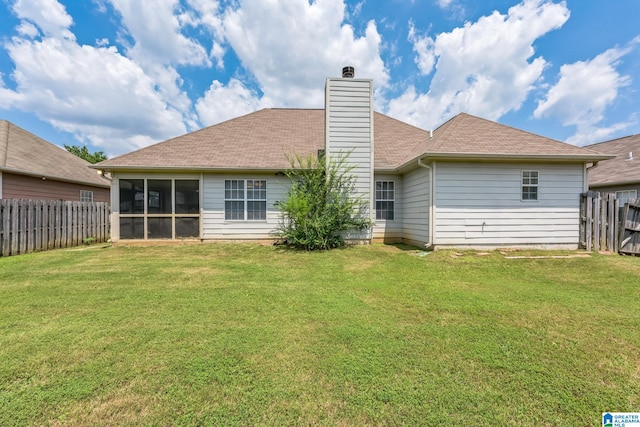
320 205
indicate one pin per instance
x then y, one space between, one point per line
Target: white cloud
583 92
93 92
483 68
424 47
49 15
158 36
309 43
443 4
222 102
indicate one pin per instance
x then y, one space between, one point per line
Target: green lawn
241 334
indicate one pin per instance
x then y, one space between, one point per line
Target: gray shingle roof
619 170
467 136
22 152
262 139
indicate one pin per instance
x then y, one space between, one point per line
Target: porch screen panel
131 196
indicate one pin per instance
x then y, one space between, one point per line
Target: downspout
586 175
430 243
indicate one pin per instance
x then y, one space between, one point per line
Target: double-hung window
385 198
86 196
623 196
530 185
245 199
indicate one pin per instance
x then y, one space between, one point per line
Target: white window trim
631 194
84 194
376 200
523 185
245 201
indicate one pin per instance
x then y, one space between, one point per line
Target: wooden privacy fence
39 225
599 221
630 228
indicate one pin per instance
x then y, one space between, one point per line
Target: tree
83 153
320 205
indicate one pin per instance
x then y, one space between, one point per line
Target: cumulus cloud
223 102
484 68
311 42
48 15
93 92
585 89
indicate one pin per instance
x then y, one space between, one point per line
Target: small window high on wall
159 208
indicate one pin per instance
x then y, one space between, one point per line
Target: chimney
349 132
348 72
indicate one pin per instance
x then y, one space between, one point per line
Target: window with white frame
530 185
624 196
86 196
385 198
245 199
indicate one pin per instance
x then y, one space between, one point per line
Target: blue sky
118 75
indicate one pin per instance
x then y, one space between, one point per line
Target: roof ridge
614 140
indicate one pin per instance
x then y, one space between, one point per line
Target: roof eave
511 157
56 178
139 168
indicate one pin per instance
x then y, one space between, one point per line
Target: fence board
35 225
630 228
599 222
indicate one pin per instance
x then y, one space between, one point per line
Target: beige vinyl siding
15 186
390 231
415 207
349 129
214 225
480 205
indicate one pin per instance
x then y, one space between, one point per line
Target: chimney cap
348 72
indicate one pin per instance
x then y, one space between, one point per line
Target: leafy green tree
83 153
320 205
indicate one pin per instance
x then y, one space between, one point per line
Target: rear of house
469 183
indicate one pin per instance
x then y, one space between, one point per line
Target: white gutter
430 243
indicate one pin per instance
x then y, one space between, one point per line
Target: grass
242 334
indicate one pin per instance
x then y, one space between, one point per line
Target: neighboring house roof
23 153
261 140
620 170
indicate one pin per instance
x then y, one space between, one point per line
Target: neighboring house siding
614 188
415 209
215 226
390 231
16 186
349 129
480 205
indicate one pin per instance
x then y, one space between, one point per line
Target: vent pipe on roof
348 72
630 155
430 134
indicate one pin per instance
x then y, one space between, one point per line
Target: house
620 175
32 168
469 183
